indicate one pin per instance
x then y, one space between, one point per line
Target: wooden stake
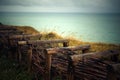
29 58
65 44
19 54
48 66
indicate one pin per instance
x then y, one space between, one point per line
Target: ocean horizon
104 28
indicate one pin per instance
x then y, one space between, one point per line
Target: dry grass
49 34
73 42
26 29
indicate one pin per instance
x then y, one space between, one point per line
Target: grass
26 29
74 42
49 35
10 70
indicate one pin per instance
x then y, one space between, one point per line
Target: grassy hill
26 29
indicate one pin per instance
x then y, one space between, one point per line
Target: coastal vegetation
95 46
49 35
10 70
26 29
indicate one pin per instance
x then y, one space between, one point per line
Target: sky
83 6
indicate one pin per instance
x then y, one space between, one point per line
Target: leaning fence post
19 53
29 58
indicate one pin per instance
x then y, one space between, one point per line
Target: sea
89 27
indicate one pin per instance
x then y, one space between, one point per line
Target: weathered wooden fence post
65 44
19 45
113 71
111 74
29 58
19 53
70 69
48 66
85 50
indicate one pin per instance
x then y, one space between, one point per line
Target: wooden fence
88 66
55 58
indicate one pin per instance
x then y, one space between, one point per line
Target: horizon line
63 12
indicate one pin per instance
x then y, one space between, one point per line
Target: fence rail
52 58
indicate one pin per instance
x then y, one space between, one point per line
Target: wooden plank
95 55
63 49
91 69
38 42
24 36
47 41
7 31
10 33
7 28
84 76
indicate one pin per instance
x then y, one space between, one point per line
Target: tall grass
48 34
73 42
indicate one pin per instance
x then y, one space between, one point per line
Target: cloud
61 5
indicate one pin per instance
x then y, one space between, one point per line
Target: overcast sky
85 6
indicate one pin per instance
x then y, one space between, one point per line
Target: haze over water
85 27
